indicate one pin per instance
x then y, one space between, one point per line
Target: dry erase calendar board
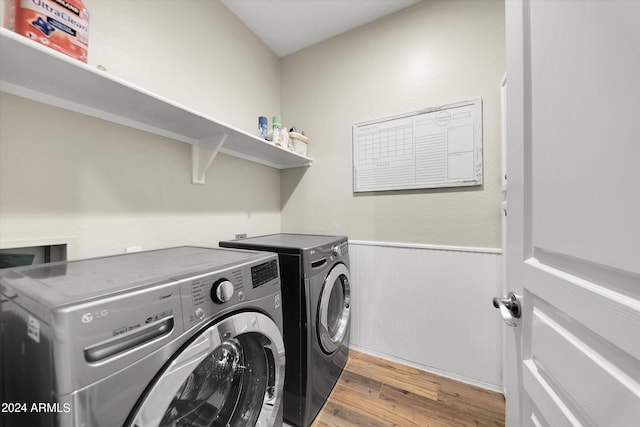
435 147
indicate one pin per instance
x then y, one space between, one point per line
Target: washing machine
175 337
316 301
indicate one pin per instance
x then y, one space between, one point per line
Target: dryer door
231 374
334 308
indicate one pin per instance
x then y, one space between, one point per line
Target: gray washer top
72 281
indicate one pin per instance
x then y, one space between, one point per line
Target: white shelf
36 72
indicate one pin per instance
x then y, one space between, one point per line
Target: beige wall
434 53
103 187
194 52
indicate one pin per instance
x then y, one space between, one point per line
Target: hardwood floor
373 392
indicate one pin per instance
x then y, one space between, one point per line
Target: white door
573 223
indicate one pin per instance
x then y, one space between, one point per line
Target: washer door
231 375
334 308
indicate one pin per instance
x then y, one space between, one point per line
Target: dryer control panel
341 249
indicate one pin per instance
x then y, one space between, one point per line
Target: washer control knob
199 313
336 250
221 291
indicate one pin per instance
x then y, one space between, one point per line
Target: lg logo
89 317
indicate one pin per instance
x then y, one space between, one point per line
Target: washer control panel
221 291
208 294
264 273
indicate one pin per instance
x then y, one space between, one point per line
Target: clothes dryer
316 307
175 337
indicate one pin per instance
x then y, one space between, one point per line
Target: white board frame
476 178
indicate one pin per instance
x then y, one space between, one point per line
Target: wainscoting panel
429 306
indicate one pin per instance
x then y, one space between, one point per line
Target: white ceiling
287 26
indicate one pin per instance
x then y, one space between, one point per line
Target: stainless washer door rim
161 394
331 342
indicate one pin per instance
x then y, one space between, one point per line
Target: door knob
510 308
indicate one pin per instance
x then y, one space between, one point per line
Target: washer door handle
116 345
